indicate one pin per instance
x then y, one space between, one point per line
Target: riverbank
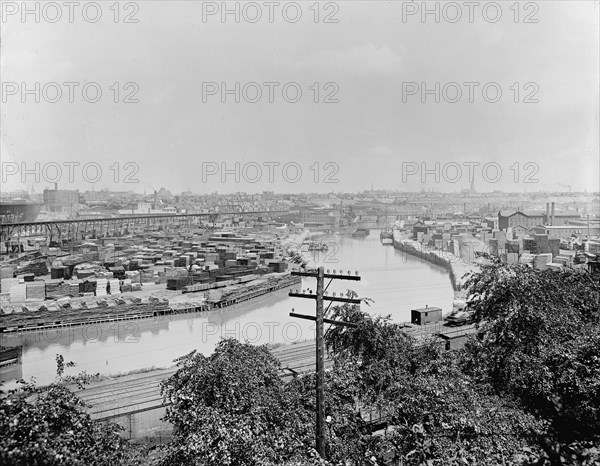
154 302
395 284
457 267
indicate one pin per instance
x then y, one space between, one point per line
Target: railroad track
137 393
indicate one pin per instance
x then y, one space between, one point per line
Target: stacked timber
56 289
36 290
18 293
115 286
7 283
197 287
87 286
177 283
136 287
101 284
126 285
37 268
58 272
250 289
7 272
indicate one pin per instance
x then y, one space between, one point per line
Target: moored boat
361 233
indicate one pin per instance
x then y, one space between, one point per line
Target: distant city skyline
375 190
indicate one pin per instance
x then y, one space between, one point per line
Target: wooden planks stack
18 292
56 289
197 287
126 285
7 283
36 290
7 272
38 268
101 284
115 286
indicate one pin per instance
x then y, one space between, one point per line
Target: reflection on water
396 282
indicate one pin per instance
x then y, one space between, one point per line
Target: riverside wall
456 266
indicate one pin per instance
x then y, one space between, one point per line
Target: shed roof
427 309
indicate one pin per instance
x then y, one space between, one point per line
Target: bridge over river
106 226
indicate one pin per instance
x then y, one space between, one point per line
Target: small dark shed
425 315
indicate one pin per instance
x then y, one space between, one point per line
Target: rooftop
427 309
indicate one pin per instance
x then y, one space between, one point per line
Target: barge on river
219 295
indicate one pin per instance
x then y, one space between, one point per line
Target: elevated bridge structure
110 226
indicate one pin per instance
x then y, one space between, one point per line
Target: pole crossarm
327 275
320 320
326 298
327 321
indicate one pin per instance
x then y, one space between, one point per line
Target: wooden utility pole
320 320
320 344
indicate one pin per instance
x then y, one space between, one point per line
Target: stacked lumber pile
238 291
115 286
37 268
101 284
36 290
56 289
18 293
7 283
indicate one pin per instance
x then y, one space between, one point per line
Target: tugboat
361 233
386 237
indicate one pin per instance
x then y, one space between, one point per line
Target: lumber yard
137 276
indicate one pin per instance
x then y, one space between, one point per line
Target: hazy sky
378 132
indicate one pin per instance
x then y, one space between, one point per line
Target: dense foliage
525 390
539 339
232 408
48 426
435 413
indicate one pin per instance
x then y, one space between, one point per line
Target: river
395 281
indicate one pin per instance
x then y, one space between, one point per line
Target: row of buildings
559 224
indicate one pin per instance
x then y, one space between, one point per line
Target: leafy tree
346 439
48 426
435 413
539 340
378 349
524 391
232 408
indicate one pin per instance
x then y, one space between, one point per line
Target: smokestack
55 186
552 214
547 213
